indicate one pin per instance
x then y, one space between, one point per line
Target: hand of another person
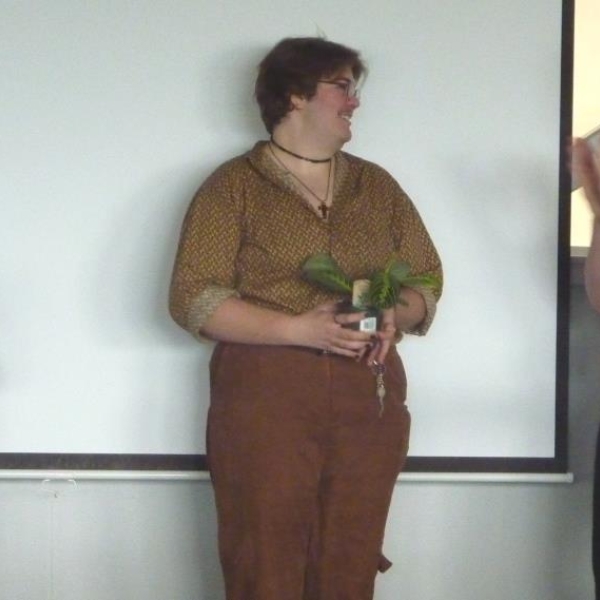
586 168
322 327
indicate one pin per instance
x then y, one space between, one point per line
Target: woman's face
329 112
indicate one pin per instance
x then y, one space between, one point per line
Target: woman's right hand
322 328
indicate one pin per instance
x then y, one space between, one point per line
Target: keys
378 370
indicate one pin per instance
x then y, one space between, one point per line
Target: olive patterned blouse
248 231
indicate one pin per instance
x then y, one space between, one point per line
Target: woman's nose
354 101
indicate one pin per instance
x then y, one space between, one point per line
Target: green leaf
398 271
430 281
321 269
400 275
383 293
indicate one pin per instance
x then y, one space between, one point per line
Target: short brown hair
294 67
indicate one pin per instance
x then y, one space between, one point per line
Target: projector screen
113 113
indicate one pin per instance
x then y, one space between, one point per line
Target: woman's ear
297 102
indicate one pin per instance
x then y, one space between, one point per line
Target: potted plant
380 291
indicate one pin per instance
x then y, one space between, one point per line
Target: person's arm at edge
592 268
586 167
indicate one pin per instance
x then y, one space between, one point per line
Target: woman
302 458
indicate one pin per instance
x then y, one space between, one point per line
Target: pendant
378 370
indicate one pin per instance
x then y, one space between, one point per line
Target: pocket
395 375
384 564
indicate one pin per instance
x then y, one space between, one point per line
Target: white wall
111 115
126 541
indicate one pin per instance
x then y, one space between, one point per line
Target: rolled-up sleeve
204 274
415 246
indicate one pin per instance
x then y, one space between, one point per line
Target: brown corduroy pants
303 467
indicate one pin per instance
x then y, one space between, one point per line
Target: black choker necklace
312 160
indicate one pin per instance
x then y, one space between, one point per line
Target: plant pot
371 322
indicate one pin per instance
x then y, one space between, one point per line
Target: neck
291 151
324 200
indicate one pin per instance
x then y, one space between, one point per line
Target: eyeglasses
348 86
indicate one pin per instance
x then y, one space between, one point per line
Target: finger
379 352
365 351
373 355
351 339
387 332
327 307
349 318
341 351
349 342
353 345
384 340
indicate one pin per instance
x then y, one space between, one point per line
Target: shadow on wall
135 267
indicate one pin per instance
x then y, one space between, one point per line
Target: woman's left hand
384 338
